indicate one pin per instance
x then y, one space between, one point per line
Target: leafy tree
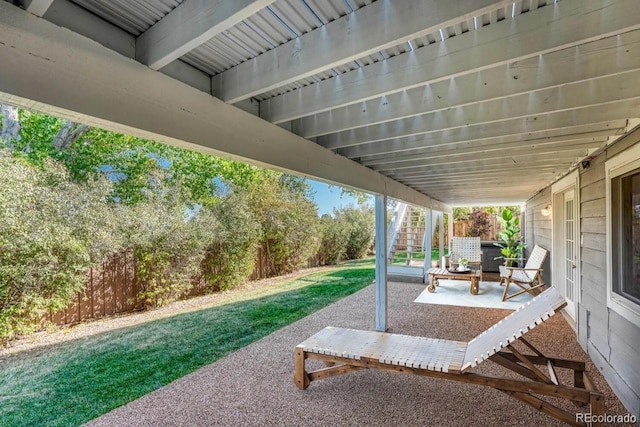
169 244
360 224
231 254
51 231
333 245
461 213
480 223
288 221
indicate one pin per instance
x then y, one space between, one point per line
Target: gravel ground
68 333
254 385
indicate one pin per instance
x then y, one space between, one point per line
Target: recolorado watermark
587 417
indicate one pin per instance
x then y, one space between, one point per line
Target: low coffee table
440 273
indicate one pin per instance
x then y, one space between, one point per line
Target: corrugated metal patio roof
457 110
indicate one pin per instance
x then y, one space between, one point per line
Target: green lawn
401 258
74 382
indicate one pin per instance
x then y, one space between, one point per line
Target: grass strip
74 382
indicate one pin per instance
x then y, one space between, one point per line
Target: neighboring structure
592 228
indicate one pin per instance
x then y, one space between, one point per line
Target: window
623 238
625 191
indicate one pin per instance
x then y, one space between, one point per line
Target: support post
428 239
440 235
381 262
450 228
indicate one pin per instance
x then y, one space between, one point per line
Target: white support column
450 227
381 262
441 234
428 241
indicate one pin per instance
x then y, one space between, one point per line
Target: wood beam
37 7
517 156
497 164
482 184
583 116
189 25
368 30
471 178
610 56
483 149
67 14
51 69
565 24
497 133
601 93
445 176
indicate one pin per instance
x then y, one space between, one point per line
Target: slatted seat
393 349
468 248
348 350
528 278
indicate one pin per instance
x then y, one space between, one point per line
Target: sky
327 198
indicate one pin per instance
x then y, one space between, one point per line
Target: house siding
612 342
538 228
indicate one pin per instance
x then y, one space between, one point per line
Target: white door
570 248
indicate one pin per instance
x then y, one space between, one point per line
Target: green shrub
169 245
51 231
288 222
333 245
231 256
360 223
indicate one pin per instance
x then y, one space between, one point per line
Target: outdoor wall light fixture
546 211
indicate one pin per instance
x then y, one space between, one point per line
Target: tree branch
10 124
68 134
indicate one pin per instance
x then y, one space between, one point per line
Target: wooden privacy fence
462 228
111 289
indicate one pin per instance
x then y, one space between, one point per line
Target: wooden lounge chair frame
348 350
528 278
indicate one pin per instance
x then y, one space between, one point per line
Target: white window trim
620 164
570 180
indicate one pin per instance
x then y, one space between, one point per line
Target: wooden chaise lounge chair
348 350
528 278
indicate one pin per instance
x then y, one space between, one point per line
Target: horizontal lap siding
538 228
611 340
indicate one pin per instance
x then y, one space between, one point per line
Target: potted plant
511 244
462 264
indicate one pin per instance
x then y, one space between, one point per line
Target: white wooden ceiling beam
503 198
577 149
550 121
610 56
484 145
604 93
67 14
565 24
505 132
485 150
368 30
37 7
480 185
189 25
51 69
474 171
493 164
473 178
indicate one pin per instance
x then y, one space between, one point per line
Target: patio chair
529 277
349 350
466 247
